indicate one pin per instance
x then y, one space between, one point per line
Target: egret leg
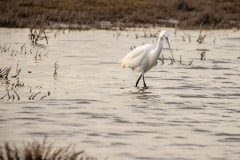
145 86
138 80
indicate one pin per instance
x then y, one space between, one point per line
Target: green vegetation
185 14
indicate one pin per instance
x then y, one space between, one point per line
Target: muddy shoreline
107 14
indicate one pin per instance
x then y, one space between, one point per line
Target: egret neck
156 52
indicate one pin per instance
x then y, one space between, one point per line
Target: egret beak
168 43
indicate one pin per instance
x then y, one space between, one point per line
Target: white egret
144 57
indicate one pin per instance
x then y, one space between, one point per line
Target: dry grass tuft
41 151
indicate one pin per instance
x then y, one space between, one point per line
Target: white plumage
144 57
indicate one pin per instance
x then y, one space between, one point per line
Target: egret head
165 35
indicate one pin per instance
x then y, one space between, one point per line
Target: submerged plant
4 72
56 66
203 55
36 35
201 37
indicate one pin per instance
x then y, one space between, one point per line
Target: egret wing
135 58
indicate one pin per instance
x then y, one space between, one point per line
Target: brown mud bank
106 14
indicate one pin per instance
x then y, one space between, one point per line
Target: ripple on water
202 130
122 121
217 67
93 134
228 96
33 107
119 144
39 134
187 145
234 110
29 119
228 137
70 101
220 61
176 103
193 96
198 67
191 108
3 120
220 78
93 115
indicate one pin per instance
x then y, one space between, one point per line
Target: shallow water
188 112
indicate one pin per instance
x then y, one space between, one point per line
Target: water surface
188 112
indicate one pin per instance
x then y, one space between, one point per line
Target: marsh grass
105 14
36 150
